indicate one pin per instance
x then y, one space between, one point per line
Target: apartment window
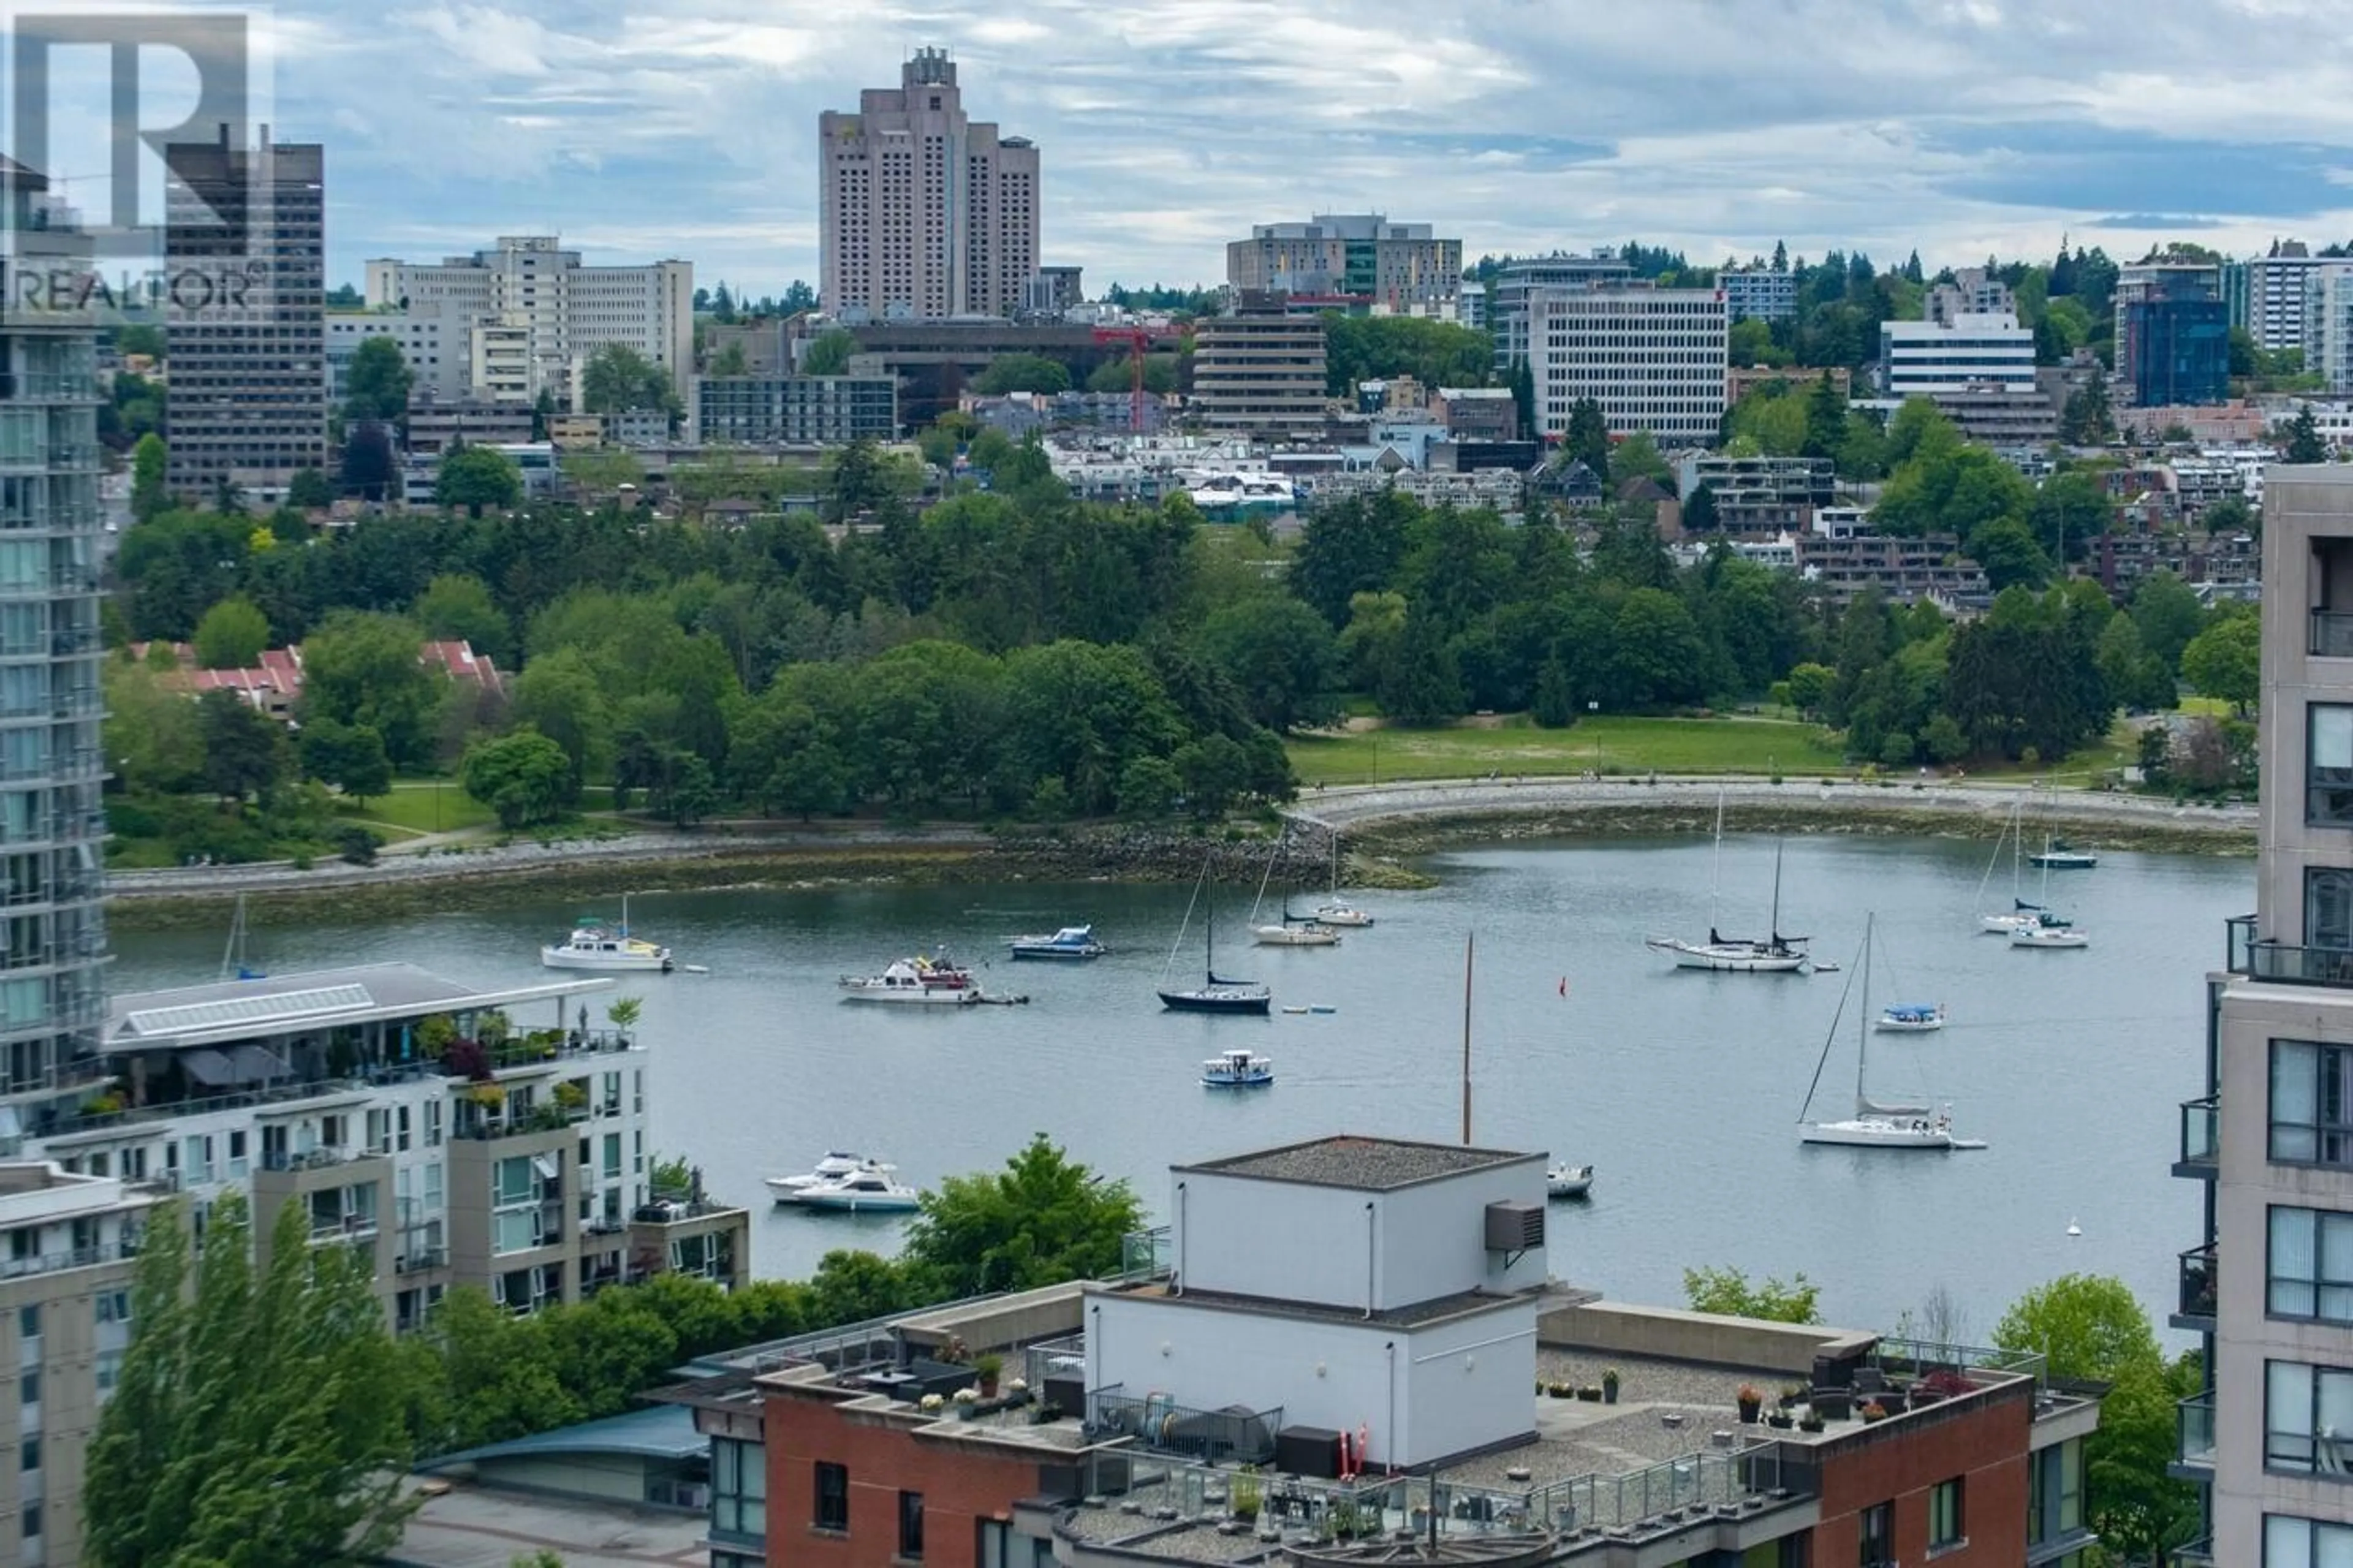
832 1497
2312 1104
28 1322
237 1155
28 1452
739 1487
911 1526
1945 1524
32 1520
2329 765
2307 1418
1878 1537
114 1307
511 1180
108 1370
2311 1269
2290 1542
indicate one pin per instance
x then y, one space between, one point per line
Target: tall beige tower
923 213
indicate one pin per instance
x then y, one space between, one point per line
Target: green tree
1728 1292
1588 439
232 634
1279 655
1044 1218
524 776
2225 662
349 756
309 491
1021 372
456 607
148 460
1699 511
2166 611
829 353
2086 419
1809 684
153 742
245 749
1826 414
259 1415
618 379
478 476
361 668
559 695
379 384
2304 443
1637 458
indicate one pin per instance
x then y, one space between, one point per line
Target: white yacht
1236 1070
1568 1180
1296 931
833 1167
591 946
916 981
860 1192
2049 933
1336 911
1910 1018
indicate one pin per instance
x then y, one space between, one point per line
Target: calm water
1682 1088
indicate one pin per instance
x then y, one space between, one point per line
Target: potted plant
1874 1412
1780 1420
1793 1395
987 1369
932 1403
1245 1493
965 1398
1559 1390
1590 1393
1610 1386
1809 1422
1751 1402
571 1095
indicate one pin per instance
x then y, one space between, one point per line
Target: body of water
1684 1089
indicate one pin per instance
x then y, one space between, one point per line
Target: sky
1962 128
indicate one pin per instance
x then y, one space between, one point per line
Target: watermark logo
135 187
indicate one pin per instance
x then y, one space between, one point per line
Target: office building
2267 1285
1508 298
248 351
795 410
1653 358
438 360
65 1324
1258 370
2173 333
527 315
1360 254
1762 293
1240 1394
52 821
1973 352
1051 290
923 211
435 422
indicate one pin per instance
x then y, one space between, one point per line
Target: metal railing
2201 1130
2258 958
417 1258
2332 635
2194 1428
1147 1255
1162 1425
312 1158
76 1258
2199 1280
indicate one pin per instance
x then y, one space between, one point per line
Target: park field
417 806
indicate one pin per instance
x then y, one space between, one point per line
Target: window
739 1487
2304 1542
32 1519
28 1452
510 1182
911 1526
2312 1104
2311 1273
28 1322
1878 1537
2328 908
28 1386
832 1497
2329 765
1945 1526
114 1307
2307 1417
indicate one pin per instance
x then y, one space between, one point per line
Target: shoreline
1383 824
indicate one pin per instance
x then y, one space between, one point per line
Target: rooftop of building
479 1527
1413 1315
282 1003
661 1432
1359 1162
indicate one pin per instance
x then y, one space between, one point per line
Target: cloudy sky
1962 127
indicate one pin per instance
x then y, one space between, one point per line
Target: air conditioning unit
1515 1226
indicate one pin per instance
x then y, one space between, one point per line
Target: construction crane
1138 339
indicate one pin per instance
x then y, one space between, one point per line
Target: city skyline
1714 134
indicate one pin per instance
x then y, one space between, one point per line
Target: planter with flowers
1874 1412
1751 1403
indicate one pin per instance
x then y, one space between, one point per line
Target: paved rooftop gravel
1371 1165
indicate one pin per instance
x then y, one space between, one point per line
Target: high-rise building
2173 333
1762 293
2274 297
52 823
1653 358
248 347
794 410
524 317
1508 294
1360 254
1258 369
923 211
2270 1284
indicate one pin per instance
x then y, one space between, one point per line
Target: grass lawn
420 805
1515 745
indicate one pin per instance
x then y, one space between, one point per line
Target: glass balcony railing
2201 1131
2194 1426
2198 1280
2332 634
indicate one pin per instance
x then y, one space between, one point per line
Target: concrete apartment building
2274 298
524 316
2270 1285
1515 283
249 404
1653 358
794 410
1760 494
1247 1390
923 211
436 351
1360 254
1973 291
1258 371
2329 326
1758 293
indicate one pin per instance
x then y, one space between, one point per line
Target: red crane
1138 339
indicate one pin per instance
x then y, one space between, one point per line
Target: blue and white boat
1911 1017
1069 942
1236 1070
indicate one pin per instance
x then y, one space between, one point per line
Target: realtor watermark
137 180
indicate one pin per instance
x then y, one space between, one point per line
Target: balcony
360 1227
2194 1427
78 1258
2199 1278
2201 1137
2259 959
417 1260
2332 634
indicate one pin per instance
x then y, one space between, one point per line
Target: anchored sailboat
1875 1124
1213 995
1336 910
1775 954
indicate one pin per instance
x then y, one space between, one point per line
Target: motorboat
1232 494
1296 931
2056 934
833 1167
1568 1180
592 946
860 1192
1215 993
2058 855
1910 1018
932 980
1772 955
1069 942
1236 1070
1336 911
1875 1124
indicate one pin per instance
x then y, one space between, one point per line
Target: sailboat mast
1863 1022
1777 892
1470 946
1715 867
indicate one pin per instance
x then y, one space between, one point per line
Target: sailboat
233 964
1875 1124
1213 995
2043 928
1336 910
1295 930
1776 955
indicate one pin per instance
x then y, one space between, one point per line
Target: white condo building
1653 358
525 315
1976 352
